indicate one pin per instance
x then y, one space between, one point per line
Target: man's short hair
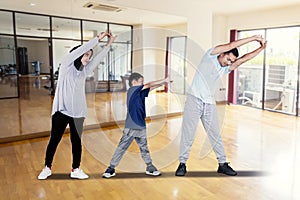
234 51
134 76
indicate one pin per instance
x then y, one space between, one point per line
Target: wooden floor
263 146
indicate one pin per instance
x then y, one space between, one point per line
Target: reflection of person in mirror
135 125
55 77
200 102
69 104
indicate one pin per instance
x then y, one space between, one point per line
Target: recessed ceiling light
32 4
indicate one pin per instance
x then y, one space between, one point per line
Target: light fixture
32 4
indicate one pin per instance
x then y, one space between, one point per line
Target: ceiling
228 7
154 12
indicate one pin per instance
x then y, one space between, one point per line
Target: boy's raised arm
155 84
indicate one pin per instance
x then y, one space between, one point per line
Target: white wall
220 36
154 44
149 51
177 29
137 54
285 16
220 31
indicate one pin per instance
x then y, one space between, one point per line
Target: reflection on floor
103 86
8 86
30 115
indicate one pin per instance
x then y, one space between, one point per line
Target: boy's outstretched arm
155 84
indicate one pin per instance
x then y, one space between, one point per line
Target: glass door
119 58
8 70
113 71
282 54
176 63
34 66
271 80
250 74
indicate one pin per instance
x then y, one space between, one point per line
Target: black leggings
59 124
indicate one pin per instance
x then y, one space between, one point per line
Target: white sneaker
45 173
152 171
110 172
78 173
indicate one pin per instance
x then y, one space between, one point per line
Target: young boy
135 125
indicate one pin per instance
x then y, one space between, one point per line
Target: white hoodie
69 96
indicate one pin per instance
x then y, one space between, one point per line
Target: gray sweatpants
194 109
139 135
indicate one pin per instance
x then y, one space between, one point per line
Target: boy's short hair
234 51
134 76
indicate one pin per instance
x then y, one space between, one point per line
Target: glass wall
8 69
92 29
66 28
270 80
37 56
32 25
176 62
39 49
250 74
282 69
6 23
115 70
60 49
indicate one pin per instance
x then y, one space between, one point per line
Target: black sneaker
110 172
181 170
226 169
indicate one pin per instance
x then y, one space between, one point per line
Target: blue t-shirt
136 112
207 77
